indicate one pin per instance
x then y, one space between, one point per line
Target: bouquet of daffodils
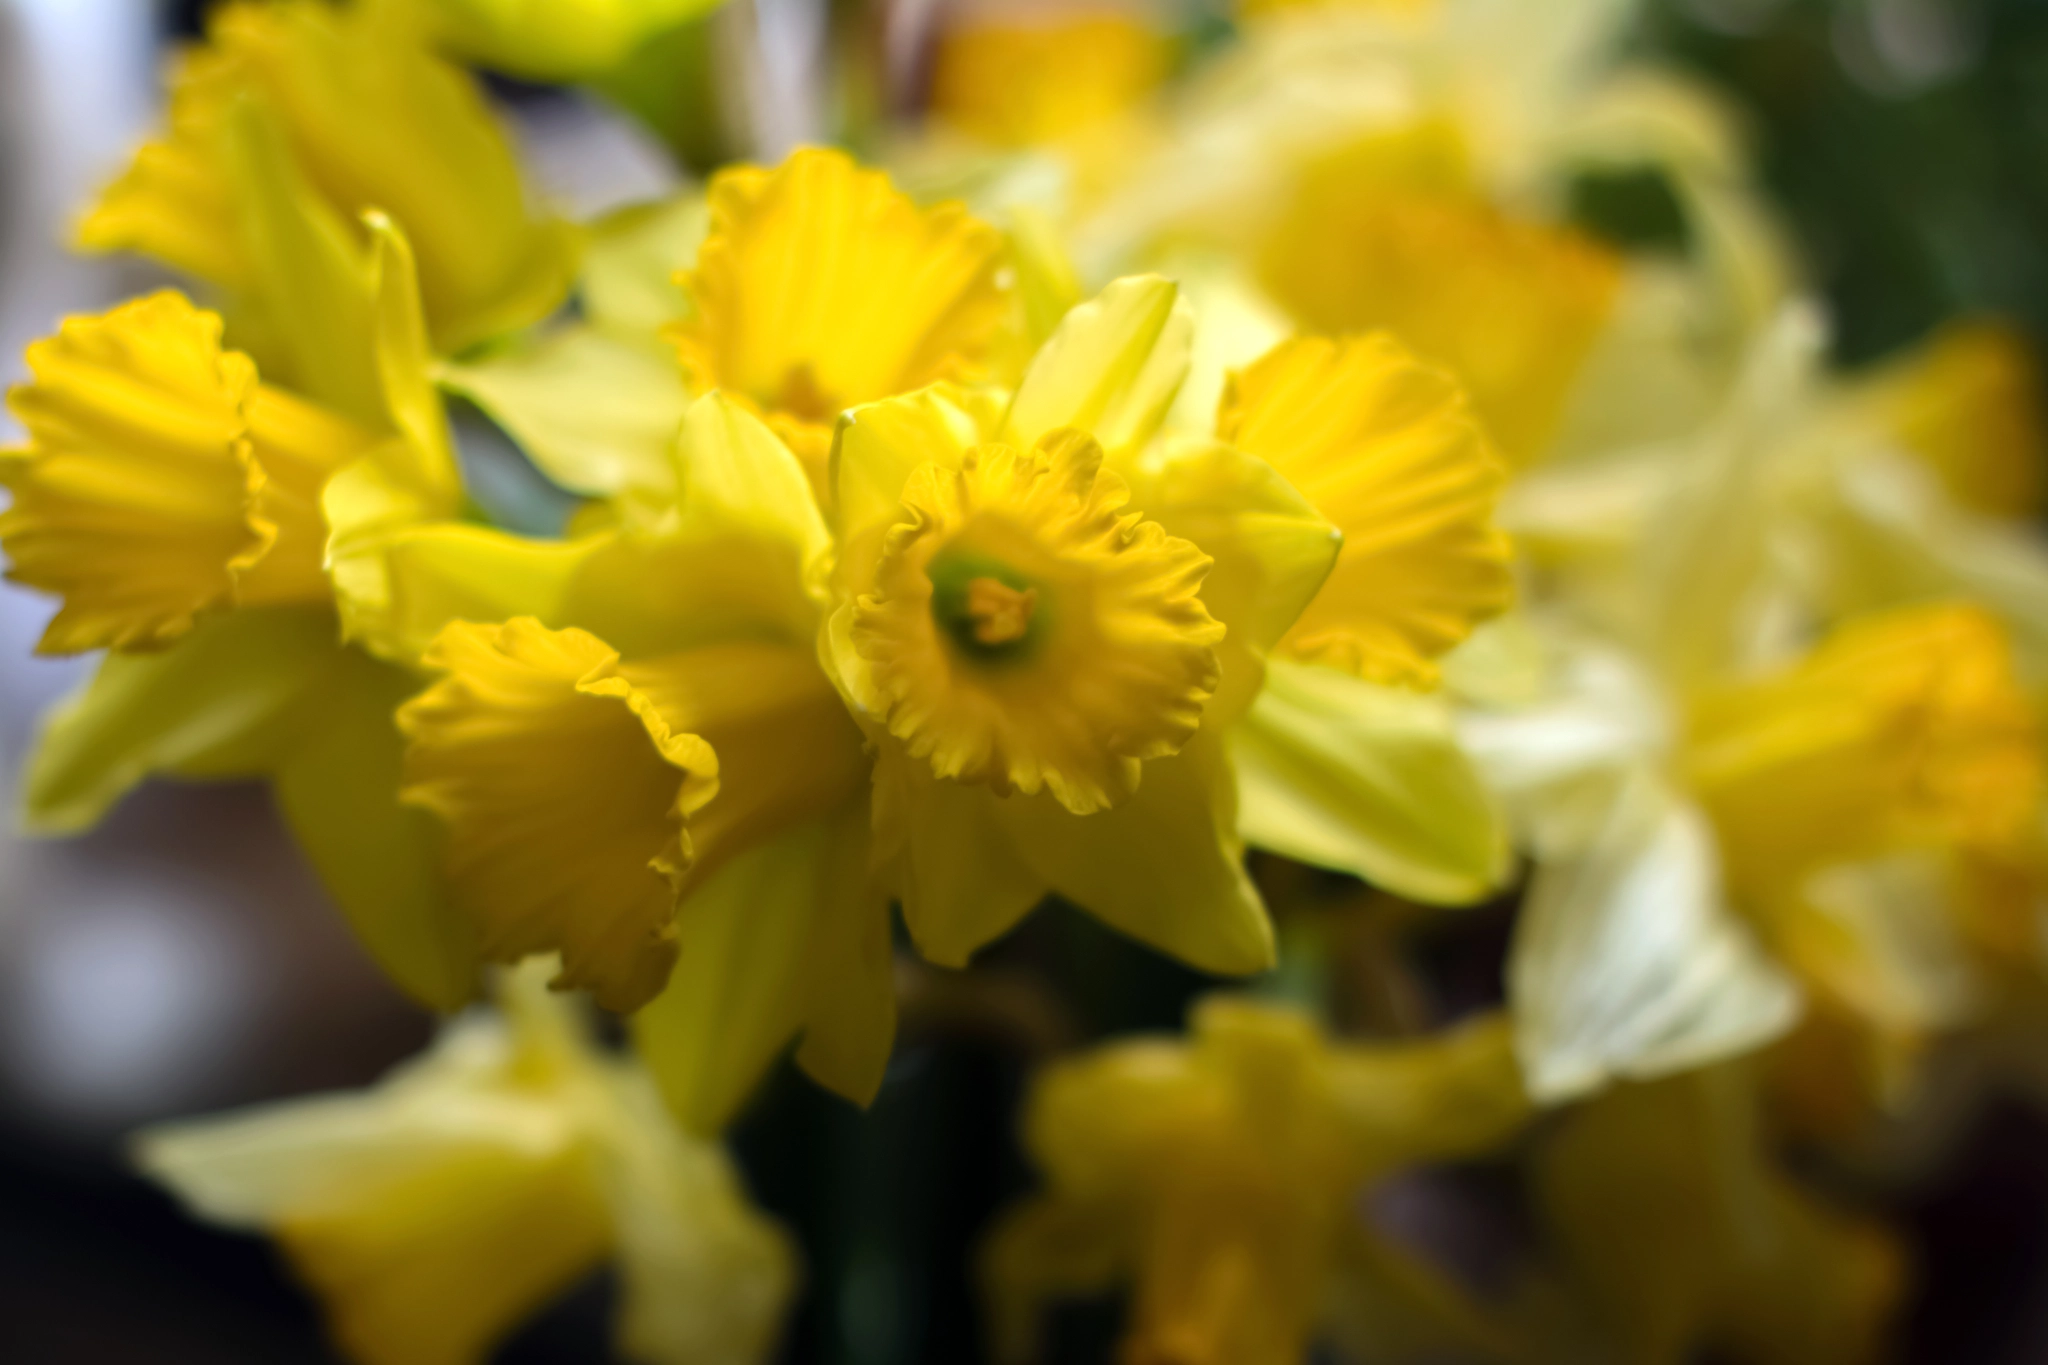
1212 475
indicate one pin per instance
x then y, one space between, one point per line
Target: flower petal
1627 963
1165 867
1111 370
749 965
596 413
1368 780
564 795
1385 449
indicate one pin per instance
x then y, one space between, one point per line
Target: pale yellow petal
1512 307
597 414
214 706
1368 780
1629 962
1111 370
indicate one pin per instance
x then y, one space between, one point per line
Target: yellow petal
750 935
430 1215
435 1266
1020 82
1903 729
161 481
962 880
1272 552
597 414
1513 308
212 706
1367 780
379 859
821 286
1454 1096
1026 632
1039 1252
1165 867
1111 370
1386 450
376 121
1969 403
173 202
564 795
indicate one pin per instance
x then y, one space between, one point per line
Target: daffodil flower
820 286
1739 1257
433 1213
1679 834
375 122
181 506
1052 707
1399 167
1010 80
1220 1176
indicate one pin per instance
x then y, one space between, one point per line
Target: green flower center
990 611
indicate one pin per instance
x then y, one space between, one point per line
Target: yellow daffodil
183 508
433 1213
1401 166
820 286
1013 79
1220 1176
375 122
1513 307
998 656
1901 731
644 769
162 480
1901 734
1738 1257
1969 403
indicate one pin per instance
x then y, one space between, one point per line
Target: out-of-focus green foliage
1907 140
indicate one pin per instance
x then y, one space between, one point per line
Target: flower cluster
1153 474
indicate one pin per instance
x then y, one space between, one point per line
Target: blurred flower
1737 1257
374 122
1014 78
553 40
435 1212
820 286
1222 1176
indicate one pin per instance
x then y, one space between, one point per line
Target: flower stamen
1000 613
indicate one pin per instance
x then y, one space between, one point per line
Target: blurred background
181 960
